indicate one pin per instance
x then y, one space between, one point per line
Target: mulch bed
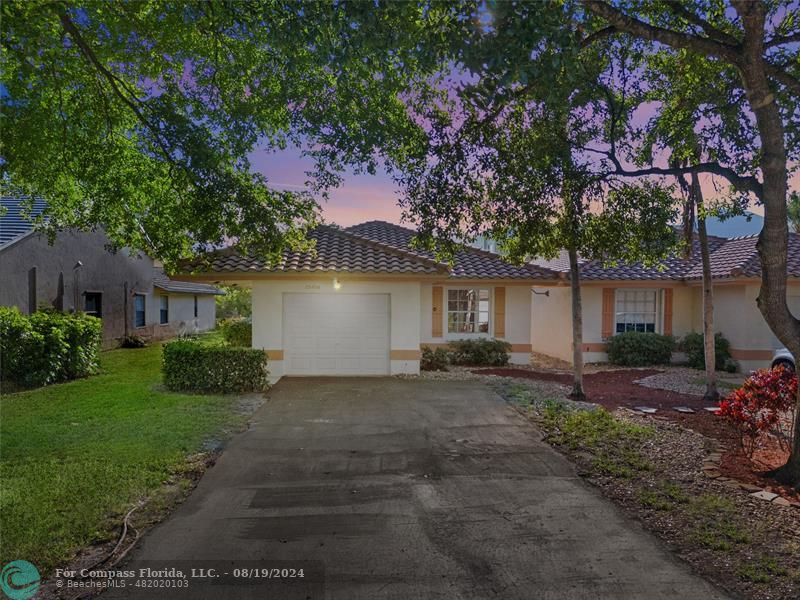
613 389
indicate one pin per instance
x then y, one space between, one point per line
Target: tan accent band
274 354
594 347
667 311
436 311
743 354
514 347
607 329
405 354
500 312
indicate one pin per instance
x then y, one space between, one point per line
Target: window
163 312
468 311
93 304
637 310
138 310
195 307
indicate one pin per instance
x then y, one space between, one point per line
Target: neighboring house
666 300
78 272
365 301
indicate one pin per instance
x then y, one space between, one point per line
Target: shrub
434 360
133 341
48 346
237 332
693 345
637 349
197 367
760 407
481 352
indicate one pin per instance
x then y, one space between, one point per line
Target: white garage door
336 334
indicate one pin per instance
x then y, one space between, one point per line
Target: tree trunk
577 326
712 394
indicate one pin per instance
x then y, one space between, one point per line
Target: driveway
404 488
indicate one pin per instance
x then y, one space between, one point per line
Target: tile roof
738 257
373 247
470 263
15 217
161 281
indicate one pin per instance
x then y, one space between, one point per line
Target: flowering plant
762 406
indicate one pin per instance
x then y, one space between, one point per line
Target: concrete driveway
392 488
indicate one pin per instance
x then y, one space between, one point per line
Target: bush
637 349
197 367
133 341
479 352
758 407
434 360
48 346
237 332
693 345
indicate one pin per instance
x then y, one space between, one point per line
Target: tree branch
680 10
598 35
747 183
779 40
676 39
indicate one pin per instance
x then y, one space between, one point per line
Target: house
365 301
666 299
127 290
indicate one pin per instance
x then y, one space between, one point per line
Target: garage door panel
336 334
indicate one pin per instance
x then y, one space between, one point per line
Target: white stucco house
365 301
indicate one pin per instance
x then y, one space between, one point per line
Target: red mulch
615 388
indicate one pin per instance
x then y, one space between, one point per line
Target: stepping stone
765 495
646 410
781 502
749 487
684 409
712 409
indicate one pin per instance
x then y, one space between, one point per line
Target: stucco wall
517 312
102 271
404 315
181 315
551 323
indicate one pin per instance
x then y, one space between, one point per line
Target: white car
783 358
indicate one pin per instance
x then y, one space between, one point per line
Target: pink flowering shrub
762 407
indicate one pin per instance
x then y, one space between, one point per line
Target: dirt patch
617 388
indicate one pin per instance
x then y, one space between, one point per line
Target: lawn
75 456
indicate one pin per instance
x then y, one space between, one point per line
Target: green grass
762 570
716 523
75 456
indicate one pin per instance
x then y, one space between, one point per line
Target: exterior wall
517 317
404 307
102 271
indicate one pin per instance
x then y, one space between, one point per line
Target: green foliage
434 359
694 346
158 107
133 341
237 331
479 352
639 349
197 367
237 302
48 346
761 570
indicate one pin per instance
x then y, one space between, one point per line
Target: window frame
477 312
99 295
658 326
143 311
163 309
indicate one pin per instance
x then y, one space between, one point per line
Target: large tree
139 116
751 50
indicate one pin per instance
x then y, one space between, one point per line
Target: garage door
336 334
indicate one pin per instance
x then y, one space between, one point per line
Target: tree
139 116
752 47
793 209
506 159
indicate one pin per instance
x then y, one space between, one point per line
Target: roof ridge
369 242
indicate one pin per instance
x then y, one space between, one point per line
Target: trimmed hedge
193 366
237 332
637 349
694 346
480 352
48 346
434 360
